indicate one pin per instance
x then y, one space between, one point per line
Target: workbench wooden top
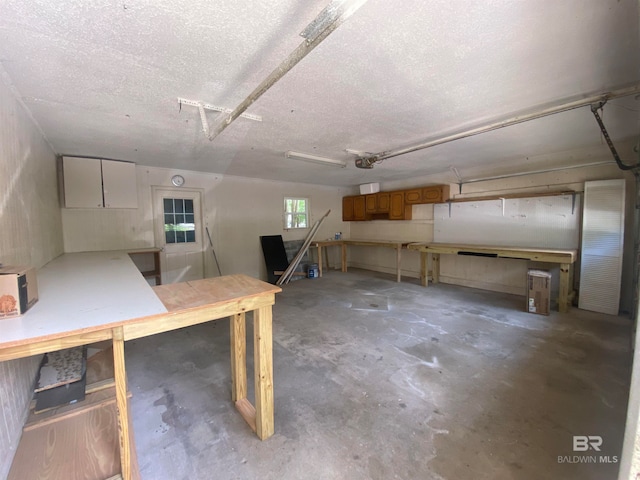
363 242
212 291
539 254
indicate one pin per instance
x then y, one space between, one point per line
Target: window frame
179 210
289 214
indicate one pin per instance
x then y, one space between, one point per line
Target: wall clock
177 180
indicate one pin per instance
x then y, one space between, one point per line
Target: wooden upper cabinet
354 208
347 209
391 205
397 208
359 208
413 196
371 203
383 202
435 194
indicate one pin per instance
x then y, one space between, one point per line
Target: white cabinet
82 182
119 184
97 183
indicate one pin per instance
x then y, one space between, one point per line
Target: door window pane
178 226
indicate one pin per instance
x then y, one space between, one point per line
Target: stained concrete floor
379 380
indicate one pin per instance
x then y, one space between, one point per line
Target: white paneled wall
236 210
419 229
16 393
542 222
31 234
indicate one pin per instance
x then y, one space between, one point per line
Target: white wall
31 235
501 275
236 210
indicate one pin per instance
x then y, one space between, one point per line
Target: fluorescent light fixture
315 159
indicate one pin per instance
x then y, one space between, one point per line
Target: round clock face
177 180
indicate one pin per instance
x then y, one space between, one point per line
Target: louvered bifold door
602 246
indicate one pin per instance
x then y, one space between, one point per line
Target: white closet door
602 246
119 184
82 182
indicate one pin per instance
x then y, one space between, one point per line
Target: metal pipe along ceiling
369 160
334 15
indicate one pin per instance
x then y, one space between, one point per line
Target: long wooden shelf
509 196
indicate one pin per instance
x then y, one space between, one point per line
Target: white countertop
79 291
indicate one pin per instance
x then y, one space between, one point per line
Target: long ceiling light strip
334 15
315 159
368 161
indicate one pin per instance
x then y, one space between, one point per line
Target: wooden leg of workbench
344 257
319 248
399 263
435 268
424 281
563 300
326 258
263 371
120 376
238 357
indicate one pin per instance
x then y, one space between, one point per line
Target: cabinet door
359 210
413 196
383 202
437 194
396 207
347 209
82 182
371 203
119 184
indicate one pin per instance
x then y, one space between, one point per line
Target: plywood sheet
211 291
100 366
82 447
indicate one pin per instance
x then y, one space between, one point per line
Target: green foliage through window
296 213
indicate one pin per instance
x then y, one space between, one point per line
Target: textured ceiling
102 78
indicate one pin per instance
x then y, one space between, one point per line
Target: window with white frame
296 213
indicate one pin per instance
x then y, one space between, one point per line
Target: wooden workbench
396 245
566 259
91 297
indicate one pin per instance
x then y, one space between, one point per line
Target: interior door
178 231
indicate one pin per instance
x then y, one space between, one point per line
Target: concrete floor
379 380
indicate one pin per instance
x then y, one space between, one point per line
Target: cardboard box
18 290
539 292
